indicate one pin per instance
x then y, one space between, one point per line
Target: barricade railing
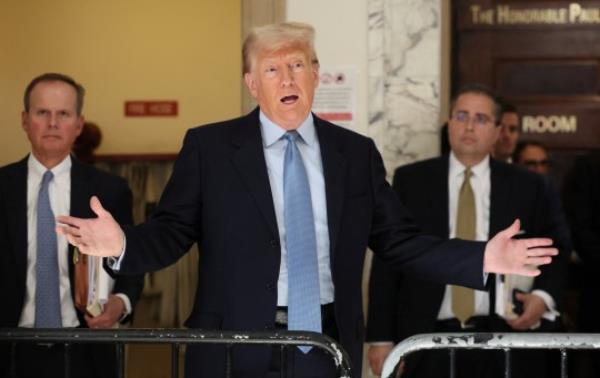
177 338
492 341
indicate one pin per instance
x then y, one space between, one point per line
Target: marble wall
404 38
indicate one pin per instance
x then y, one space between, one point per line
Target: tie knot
291 136
48 175
468 173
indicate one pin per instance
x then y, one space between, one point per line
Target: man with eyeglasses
465 194
533 156
510 131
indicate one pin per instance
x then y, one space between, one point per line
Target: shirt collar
38 168
271 132
457 168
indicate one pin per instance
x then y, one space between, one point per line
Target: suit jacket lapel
17 207
439 198
499 198
334 164
79 206
249 160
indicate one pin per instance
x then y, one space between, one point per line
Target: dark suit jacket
401 305
582 205
219 195
85 182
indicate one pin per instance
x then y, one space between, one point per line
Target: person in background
533 156
510 130
470 196
87 142
582 206
43 280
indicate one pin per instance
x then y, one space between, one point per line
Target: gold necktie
463 299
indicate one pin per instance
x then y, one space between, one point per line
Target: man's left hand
506 255
112 312
533 309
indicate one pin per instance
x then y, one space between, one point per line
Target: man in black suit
582 206
228 192
52 120
401 305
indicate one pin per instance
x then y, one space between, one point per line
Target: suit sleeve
173 227
397 240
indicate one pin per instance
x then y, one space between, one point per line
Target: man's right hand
377 355
101 236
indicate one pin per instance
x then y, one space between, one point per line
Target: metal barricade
491 341
178 337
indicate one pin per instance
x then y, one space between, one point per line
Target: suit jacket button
273 243
270 286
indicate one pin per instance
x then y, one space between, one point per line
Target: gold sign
552 124
508 15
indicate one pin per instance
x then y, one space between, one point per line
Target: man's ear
24 120
251 84
315 68
80 122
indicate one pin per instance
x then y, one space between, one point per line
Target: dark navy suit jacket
219 195
402 305
86 181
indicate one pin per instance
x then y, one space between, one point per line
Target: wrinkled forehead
52 91
290 51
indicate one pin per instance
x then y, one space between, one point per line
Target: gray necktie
47 296
463 299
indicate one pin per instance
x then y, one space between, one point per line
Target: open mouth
288 100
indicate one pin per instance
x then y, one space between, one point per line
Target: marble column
404 79
404 38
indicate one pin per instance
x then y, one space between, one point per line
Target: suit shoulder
340 131
421 167
100 176
224 127
517 172
9 168
12 168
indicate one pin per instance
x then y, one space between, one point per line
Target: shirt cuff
127 303
552 313
114 263
380 343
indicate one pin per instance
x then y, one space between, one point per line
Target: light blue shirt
274 146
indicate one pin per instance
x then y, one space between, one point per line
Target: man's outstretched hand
101 236
506 255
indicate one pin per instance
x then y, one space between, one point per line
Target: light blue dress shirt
274 146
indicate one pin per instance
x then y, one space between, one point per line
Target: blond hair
275 37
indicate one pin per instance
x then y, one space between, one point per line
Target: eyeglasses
535 163
479 119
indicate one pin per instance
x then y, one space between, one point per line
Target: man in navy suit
401 306
227 192
52 120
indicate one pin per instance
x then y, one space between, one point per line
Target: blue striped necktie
304 305
47 296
